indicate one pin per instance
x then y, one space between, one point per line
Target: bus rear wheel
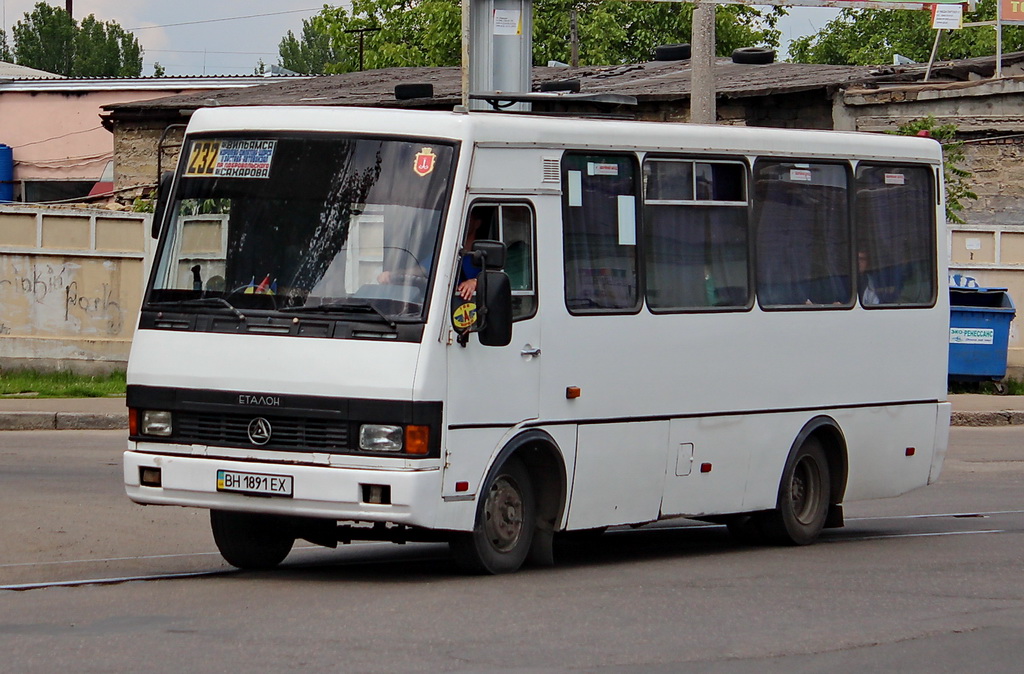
503 531
803 498
251 541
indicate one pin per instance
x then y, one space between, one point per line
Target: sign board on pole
1013 11
947 17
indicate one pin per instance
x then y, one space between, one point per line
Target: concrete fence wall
71 282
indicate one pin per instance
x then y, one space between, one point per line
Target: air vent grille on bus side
552 170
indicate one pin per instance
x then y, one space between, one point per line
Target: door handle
530 351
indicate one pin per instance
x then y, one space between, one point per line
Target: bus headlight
381 438
156 423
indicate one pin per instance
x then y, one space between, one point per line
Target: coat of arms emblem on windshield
259 431
425 159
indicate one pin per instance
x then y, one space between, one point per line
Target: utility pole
67 6
702 64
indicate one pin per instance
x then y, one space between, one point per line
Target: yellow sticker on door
464 316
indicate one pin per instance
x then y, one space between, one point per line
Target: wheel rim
805 490
503 514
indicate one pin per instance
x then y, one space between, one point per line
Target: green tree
428 33
5 50
158 70
48 38
104 49
956 178
872 36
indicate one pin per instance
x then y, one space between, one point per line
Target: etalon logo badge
425 159
259 431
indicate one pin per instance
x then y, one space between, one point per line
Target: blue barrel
6 173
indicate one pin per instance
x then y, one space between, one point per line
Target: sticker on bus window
597 169
425 161
895 179
464 316
230 158
575 180
801 175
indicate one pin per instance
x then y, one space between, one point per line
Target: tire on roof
404 92
753 55
672 52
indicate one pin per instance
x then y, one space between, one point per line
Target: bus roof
519 130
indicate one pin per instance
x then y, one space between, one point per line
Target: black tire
404 92
803 498
505 514
753 55
672 52
251 541
561 85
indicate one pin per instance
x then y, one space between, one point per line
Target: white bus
737 325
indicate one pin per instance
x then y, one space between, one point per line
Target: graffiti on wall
60 297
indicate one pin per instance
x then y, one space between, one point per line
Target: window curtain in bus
803 239
895 235
696 256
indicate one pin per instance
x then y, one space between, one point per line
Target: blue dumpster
979 333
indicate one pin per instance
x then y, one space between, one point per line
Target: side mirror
493 254
496 328
163 196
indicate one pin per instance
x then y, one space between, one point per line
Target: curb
1002 418
62 421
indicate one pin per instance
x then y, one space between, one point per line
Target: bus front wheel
803 497
250 541
503 531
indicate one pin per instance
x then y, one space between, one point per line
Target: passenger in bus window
868 293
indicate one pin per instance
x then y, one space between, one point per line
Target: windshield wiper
202 301
341 308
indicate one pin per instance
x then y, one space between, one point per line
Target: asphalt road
928 582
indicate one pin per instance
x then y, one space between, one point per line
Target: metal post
999 39
465 54
931 59
702 64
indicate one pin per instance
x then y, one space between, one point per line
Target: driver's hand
384 277
466 289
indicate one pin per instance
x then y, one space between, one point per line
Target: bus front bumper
404 496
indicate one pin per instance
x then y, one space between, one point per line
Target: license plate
254 483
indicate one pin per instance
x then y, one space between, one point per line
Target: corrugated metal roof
14 71
169 84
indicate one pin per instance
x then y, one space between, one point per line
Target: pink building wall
56 135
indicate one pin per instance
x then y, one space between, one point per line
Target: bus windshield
325 223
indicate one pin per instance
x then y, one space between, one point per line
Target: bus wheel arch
811 486
531 458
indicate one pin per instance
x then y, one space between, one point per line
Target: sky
209 45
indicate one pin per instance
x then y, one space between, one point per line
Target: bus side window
895 222
513 225
696 234
801 213
599 217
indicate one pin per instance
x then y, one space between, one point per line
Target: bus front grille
286 433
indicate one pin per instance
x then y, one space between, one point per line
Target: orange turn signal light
417 439
572 392
133 421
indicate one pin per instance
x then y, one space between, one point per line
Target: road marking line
113 581
168 556
842 539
